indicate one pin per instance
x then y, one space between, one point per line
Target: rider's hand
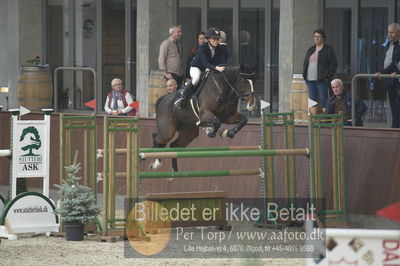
393 75
220 68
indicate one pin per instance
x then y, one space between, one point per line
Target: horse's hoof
208 130
157 164
230 134
211 134
223 132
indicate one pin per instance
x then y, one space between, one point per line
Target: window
220 16
372 31
189 16
337 25
113 44
251 44
398 12
72 30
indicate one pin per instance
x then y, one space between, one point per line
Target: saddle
197 89
193 99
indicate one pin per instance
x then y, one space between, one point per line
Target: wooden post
337 215
62 143
290 159
269 187
112 170
135 162
105 178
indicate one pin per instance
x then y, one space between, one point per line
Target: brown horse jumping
217 102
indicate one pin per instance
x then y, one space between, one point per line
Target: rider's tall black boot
187 91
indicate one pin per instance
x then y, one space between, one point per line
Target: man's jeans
392 89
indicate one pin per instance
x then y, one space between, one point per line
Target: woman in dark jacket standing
319 68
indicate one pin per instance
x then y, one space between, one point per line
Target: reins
233 87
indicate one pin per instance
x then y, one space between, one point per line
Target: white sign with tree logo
31 151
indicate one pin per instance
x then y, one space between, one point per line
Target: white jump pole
5 153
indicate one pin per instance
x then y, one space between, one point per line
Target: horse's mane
232 69
240 69
230 73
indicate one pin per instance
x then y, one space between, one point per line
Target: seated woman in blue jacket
210 55
341 102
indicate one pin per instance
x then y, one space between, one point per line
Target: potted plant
77 204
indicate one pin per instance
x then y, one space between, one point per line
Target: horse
216 100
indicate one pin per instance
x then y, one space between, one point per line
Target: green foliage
78 202
35 61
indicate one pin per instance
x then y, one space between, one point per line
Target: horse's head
241 84
247 92
247 87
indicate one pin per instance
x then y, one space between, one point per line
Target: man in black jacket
319 68
389 66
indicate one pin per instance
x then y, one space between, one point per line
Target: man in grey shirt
390 60
170 57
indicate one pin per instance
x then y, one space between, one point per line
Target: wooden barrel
299 99
157 88
35 89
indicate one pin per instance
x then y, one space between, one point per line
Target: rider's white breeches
195 73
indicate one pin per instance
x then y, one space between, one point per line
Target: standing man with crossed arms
170 57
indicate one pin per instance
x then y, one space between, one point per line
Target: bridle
233 88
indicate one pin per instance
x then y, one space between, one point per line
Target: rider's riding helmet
212 33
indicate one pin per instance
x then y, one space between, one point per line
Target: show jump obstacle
127 131
28 211
81 131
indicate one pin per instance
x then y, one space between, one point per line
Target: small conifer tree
77 202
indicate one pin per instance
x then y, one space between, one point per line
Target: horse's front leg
238 119
157 162
209 118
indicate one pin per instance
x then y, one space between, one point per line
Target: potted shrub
77 204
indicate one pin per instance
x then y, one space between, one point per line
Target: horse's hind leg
238 119
186 135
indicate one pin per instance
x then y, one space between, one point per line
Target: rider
210 55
